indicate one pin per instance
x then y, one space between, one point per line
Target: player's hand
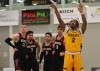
40 66
15 49
26 56
62 53
53 52
53 6
81 8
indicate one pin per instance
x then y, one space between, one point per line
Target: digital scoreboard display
40 16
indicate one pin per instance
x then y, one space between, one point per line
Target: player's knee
18 70
81 69
65 69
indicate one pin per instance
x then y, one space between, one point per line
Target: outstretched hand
53 6
81 8
15 49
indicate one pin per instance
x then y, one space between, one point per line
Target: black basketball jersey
21 43
31 48
46 52
59 46
47 49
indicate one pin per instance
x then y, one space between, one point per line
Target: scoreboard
38 16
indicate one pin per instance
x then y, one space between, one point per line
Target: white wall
91 47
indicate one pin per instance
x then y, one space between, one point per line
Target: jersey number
73 40
57 47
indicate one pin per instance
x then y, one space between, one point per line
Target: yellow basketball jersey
73 41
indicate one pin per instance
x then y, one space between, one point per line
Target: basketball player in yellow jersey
72 40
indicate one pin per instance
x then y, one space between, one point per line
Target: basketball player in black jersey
59 50
46 53
18 45
32 46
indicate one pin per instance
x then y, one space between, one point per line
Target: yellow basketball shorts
73 61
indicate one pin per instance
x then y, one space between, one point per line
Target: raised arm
84 24
61 22
13 38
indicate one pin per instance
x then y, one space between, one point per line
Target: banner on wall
93 14
68 14
38 16
8 18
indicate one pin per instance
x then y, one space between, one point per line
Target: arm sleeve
8 41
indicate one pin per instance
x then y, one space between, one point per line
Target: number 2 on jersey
73 40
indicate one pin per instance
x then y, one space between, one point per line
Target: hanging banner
68 14
39 16
8 18
93 14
